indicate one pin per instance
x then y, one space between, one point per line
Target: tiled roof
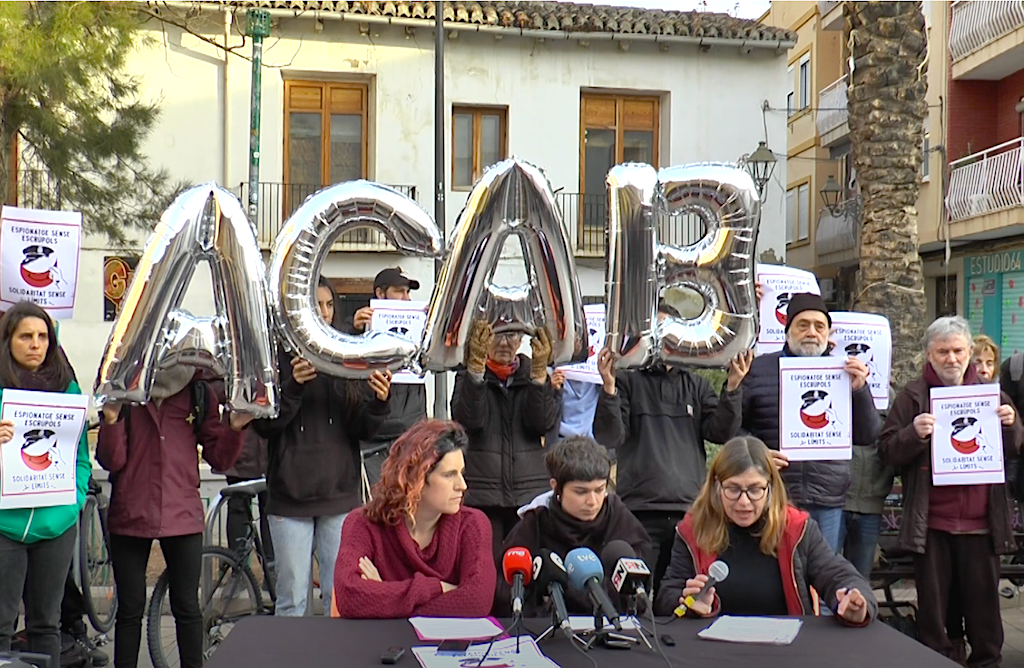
556 16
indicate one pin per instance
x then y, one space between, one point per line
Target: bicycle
228 588
93 564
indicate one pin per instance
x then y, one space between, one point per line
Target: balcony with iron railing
833 113
35 189
978 24
986 182
837 237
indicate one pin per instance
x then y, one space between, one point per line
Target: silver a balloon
512 198
631 281
205 223
718 268
298 257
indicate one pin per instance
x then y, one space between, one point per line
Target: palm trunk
887 110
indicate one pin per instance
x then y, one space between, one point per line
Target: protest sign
967 442
779 284
868 338
587 371
39 252
404 318
38 465
815 409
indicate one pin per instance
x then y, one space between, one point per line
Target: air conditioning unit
828 289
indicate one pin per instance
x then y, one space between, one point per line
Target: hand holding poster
587 371
967 442
39 259
815 409
868 338
779 283
404 318
38 465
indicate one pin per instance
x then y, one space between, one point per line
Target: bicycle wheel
95 569
227 592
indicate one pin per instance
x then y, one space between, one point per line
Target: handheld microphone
586 575
550 576
628 574
517 565
717 572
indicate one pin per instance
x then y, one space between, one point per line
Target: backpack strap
199 402
1017 367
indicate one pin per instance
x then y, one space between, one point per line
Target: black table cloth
301 642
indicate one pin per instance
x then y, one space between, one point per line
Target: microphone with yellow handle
717 572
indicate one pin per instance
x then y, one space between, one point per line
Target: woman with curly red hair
414 549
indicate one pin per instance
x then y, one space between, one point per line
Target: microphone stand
633 615
609 638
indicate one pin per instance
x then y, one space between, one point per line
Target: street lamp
830 196
761 165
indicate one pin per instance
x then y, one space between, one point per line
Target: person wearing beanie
819 487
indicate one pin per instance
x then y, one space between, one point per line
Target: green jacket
870 482
31 525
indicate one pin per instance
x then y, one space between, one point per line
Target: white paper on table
779 283
39 466
508 653
867 337
403 318
583 623
815 409
454 628
967 443
761 630
39 254
587 371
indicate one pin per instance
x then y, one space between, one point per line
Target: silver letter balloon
511 198
718 267
299 254
151 332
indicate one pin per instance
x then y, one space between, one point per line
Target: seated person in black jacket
577 512
775 552
657 420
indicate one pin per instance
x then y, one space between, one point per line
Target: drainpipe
257 28
225 147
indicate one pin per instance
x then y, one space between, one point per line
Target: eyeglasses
506 337
733 493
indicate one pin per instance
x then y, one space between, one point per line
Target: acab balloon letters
512 198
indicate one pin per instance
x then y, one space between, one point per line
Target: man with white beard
819 487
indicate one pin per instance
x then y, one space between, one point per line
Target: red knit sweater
459 554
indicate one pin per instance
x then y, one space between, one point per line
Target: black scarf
48 377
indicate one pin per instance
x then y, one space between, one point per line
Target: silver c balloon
298 257
512 197
203 223
719 267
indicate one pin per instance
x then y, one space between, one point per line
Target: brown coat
900 446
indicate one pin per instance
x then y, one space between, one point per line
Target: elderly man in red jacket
955 532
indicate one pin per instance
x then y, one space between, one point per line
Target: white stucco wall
710 111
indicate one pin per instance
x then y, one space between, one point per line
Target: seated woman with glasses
775 552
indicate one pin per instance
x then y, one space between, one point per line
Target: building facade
348 92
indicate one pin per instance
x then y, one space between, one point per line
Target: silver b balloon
298 257
511 198
718 267
205 223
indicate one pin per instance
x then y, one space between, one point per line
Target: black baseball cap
392 277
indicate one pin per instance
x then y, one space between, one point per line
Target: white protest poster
587 371
867 337
39 253
404 318
779 284
967 443
815 409
38 465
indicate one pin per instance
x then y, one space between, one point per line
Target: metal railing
840 233
36 189
589 214
277 201
976 23
832 106
986 181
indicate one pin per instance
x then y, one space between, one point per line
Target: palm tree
887 110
